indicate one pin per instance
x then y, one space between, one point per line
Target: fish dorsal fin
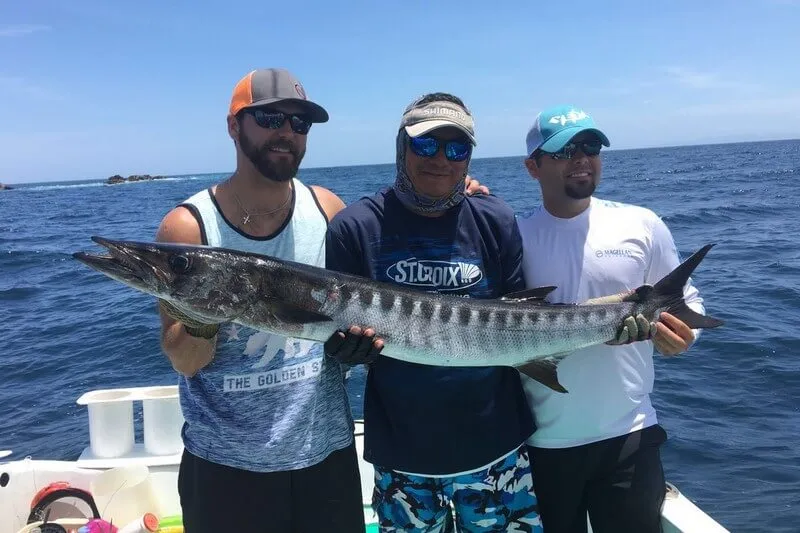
545 371
537 293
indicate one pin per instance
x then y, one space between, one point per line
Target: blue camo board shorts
497 498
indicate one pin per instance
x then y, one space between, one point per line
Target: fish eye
180 264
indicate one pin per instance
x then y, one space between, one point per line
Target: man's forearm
187 354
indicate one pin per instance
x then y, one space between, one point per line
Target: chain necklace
248 215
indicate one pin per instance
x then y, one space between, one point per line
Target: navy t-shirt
426 419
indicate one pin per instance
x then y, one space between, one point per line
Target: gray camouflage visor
434 115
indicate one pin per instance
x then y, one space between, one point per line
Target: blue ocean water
731 406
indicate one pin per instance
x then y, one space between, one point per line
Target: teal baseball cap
556 126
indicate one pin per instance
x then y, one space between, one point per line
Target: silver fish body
293 299
433 328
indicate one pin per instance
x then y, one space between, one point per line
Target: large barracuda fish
220 285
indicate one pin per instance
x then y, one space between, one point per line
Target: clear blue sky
91 88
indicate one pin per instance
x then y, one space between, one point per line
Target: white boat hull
20 480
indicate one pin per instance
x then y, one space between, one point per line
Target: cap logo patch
300 91
572 116
446 112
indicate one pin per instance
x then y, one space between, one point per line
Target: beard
272 170
580 191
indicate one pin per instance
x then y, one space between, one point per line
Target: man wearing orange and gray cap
268 436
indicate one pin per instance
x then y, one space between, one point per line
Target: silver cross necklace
248 215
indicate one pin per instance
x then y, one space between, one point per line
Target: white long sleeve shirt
609 248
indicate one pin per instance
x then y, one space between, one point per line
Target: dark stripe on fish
366 297
407 305
387 303
427 309
500 317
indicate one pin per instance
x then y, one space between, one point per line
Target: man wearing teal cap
596 449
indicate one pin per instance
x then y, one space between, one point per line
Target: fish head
197 278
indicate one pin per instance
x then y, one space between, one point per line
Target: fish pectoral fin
545 371
290 314
537 293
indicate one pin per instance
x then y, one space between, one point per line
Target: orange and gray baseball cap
262 87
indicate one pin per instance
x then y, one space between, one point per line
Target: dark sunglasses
591 149
427 146
275 119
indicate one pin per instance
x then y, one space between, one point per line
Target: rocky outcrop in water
113 180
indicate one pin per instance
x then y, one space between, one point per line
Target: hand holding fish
193 325
634 328
354 346
672 336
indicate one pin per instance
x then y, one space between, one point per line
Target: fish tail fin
668 293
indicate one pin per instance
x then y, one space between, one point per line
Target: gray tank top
266 402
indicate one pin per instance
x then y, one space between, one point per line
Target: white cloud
17 30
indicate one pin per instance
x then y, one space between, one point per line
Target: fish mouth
129 262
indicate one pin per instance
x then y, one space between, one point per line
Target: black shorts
619 482
324 497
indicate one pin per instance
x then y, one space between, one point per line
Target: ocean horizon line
331 167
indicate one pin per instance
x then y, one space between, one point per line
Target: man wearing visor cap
440 436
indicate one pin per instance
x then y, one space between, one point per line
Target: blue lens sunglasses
427 146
